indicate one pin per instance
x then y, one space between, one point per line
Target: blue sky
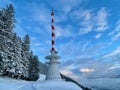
87 33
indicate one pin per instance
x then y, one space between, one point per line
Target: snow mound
13 84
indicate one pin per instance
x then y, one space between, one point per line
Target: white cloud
115 66
89 20
66 70
115 33
86 70
85 30
98 70
69 73
117 29
98 36
101 20
86 23
85 46
115 37
66 5
115 52
63 32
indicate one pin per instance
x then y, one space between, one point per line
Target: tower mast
53 72
53 32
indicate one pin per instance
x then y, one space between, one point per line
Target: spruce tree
33 67
36 67
26 40
8 60
9 18
26 55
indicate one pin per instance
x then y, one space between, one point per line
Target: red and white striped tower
53 71
53 32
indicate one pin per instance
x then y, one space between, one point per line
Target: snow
13 84
102 83
42 77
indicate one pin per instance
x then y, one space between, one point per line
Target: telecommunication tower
53 71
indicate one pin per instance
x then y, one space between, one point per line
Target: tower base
53 72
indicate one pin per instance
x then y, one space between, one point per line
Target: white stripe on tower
53 32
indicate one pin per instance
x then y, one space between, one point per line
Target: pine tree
26 40
33 67
9 18
8 60
36 67
26 54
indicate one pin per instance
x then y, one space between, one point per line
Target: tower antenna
53 72
53 32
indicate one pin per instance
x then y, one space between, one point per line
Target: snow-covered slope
13 84
50 85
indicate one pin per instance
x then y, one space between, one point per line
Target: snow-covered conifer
33 67
9 18
26 40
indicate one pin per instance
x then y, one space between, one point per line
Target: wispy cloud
83 20
101 20
117 28
66 70
89 20
63 32
115 66
97 70
115 34
66 5
115 52
98 35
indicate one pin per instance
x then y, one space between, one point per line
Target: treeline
16 58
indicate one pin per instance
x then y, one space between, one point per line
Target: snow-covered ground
13 84
102 83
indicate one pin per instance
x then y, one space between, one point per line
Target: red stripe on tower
53 42
52 20
53 34
52 26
